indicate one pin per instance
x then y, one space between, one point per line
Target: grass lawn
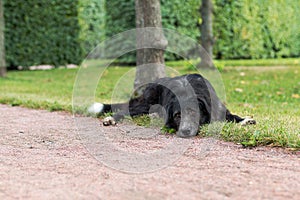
270 94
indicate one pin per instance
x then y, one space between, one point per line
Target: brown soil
43 157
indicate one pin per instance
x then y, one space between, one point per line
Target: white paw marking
107 121
154 115
96 108
248 121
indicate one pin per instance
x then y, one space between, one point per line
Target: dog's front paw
248 121
107 121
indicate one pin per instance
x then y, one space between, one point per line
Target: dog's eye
177 115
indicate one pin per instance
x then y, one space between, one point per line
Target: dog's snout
185 133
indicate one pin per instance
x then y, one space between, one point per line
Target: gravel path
42 156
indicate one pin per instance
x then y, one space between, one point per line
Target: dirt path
42 157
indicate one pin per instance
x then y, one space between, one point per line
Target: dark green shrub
42 32
256 29
58 32
176 15
92 23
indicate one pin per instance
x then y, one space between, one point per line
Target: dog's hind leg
237 119
247 121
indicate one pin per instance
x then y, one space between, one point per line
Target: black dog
186 102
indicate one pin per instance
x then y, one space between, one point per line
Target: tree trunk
2 46
206 29
150 61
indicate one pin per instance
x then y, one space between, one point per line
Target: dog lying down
185 102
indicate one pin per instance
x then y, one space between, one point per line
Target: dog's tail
99 108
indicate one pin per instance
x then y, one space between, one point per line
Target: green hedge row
42 32
256 29
176 15
63 31
242 28
91 15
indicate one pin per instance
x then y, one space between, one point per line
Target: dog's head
182 108
183 118
186 101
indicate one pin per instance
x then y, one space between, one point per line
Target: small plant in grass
266 133
151 120
143 120
167 130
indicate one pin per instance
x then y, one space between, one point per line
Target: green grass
260 62
50 90
271 95
220 64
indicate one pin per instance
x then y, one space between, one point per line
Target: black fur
188 102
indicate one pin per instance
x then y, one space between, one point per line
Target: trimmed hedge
242 28
256 29
120 16
176 15
92 22
59 32
42 32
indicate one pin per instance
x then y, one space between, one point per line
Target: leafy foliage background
256 29
59 32
42 32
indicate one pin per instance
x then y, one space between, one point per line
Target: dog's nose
185 133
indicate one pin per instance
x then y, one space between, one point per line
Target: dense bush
63 31
92 23
256 29
120 16
176 15
42 32
181 16
242 28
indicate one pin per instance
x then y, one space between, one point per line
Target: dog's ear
152 93
169 121
204 106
